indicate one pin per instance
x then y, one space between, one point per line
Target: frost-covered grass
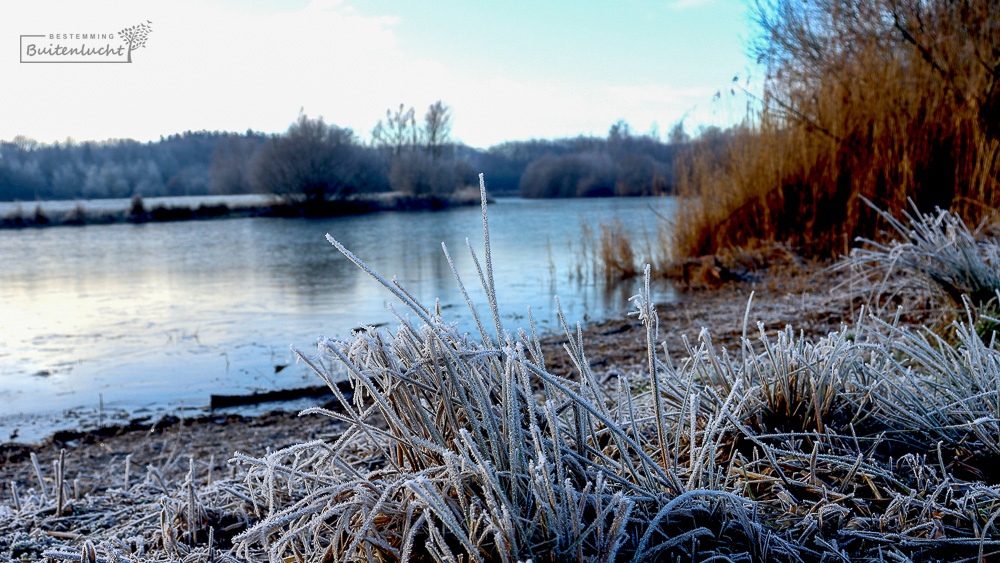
872 441
878 442
936 252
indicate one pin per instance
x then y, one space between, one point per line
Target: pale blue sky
510 70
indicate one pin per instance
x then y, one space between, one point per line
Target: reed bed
877 442
610 255
889 100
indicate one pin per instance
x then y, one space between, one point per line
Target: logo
85 47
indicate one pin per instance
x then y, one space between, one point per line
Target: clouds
237 70
233 66
508 109
204 67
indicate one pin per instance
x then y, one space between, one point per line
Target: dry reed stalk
616 257
895 105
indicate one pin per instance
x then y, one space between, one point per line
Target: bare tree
24 143
398 131
677 135
417 162
437 128
948 49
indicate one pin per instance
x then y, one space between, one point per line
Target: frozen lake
155 317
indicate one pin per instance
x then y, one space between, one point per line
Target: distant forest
404 155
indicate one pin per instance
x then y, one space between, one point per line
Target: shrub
418 173
40 218
219 210
137 210
589 174
77 215
310 165
165 213
15 217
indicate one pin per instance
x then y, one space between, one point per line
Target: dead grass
886 100
616 257
608 254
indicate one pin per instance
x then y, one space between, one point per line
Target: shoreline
66 498
808 299
28 215
79 404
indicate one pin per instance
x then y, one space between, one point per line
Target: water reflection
159 316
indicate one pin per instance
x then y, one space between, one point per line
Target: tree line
314 163
175 165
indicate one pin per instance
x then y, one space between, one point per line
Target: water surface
156 317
